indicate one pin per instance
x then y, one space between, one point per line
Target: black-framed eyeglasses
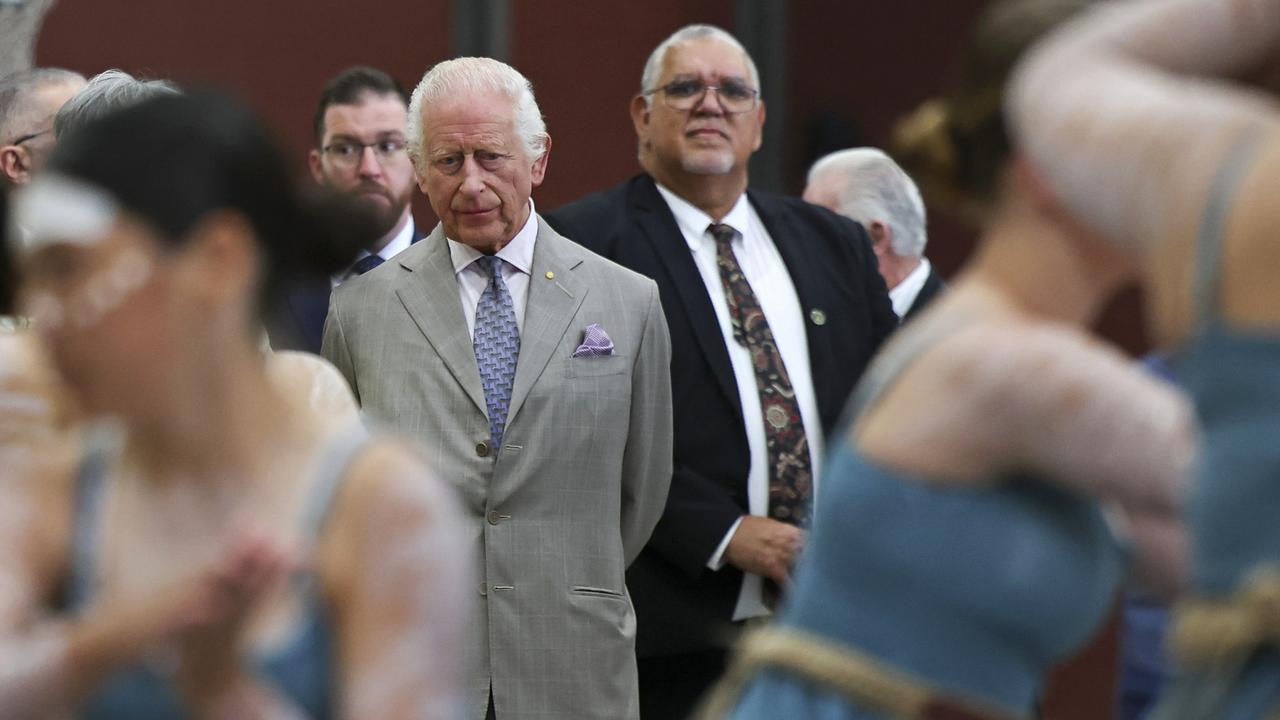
31 136
348 152
735 97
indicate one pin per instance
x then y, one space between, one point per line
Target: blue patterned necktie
365 264
497 346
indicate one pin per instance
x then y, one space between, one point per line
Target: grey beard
719 164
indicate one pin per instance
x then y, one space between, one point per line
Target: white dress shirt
401 241
771 283
517 265
903 295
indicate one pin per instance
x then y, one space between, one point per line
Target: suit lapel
659 226
429 292
806 277
554 298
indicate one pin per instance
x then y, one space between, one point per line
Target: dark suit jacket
932 286
298 324
681 605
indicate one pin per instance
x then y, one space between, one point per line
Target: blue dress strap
90 483
334 468
904 348
1206 279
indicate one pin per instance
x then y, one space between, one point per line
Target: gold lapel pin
551 275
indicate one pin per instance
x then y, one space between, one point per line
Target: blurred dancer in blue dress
1001 472
1157 124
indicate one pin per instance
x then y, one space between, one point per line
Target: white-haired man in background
537 374
28 101
868 187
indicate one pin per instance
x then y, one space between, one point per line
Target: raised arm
1120 114
1079 413
1043 400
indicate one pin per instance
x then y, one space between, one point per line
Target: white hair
105 93
653 66
465 76
870 187
17 112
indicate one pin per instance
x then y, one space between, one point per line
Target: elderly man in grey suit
538 375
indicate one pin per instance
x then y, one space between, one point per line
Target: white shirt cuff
717 558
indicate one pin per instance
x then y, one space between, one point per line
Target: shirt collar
693 222
904 294
400 242
518 253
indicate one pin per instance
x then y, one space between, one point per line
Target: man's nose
369 165
472 176
709 103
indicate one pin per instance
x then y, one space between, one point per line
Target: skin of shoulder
938 417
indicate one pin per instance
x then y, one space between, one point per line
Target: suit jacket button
494 518
482 448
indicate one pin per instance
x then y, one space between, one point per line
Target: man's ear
640 115
314 161
14 165
539 171
760 113
881 235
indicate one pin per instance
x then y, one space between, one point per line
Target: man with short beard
360 126
774 307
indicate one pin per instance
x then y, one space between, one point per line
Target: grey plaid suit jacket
560 511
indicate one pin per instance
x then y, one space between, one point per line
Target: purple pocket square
595 342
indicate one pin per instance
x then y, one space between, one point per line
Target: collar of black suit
659 224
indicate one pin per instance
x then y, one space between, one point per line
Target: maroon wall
860 65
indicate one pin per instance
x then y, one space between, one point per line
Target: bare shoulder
313 385
391 474
1250 295
950 413
36 508
390 496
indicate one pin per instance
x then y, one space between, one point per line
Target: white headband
57 209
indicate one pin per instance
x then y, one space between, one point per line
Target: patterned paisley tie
790 470
497 346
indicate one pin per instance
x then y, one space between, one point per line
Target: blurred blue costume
966 595
1233 377
301 668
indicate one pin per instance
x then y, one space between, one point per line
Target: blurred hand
766 547
215 609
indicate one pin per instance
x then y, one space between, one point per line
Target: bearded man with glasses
774 307
360 125
28 101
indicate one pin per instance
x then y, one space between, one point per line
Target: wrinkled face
362 152
703 140
476 170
